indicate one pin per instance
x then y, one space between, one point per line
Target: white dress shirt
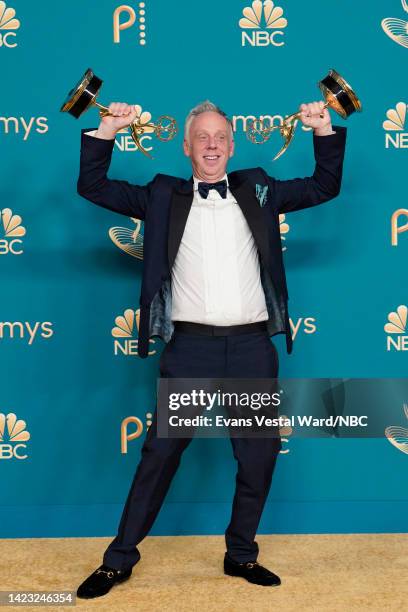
216 276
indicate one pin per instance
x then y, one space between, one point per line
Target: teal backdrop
65 472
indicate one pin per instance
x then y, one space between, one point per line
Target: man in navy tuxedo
214 289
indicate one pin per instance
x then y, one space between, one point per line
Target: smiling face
209 145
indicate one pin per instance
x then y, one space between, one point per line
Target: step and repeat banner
76 400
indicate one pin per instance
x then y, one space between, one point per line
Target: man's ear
186 148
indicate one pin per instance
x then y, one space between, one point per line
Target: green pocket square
261 191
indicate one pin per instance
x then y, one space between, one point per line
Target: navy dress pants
187 355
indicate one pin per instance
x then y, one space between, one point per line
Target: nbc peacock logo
398 436
13 231
13 435
125 333
8 26
396 328
262 24
397 29
124 141
394 126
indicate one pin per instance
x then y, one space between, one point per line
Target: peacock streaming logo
125 333
399 224
8 26
262 25
397 29
13 435
13 231
395 134
396 329
125 17
132 428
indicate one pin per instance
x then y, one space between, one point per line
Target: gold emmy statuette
84 95
338 95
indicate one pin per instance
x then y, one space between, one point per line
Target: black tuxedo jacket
164 204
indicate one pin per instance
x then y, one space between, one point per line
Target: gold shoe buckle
110 574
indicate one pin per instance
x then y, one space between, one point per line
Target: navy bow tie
220 186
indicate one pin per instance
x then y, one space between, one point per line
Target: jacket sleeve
94 185
323 185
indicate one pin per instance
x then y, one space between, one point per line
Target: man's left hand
310 116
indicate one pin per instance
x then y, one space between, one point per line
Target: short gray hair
203 107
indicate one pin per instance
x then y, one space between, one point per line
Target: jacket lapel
252 211
182 198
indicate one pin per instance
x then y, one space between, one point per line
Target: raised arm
329 147
95 158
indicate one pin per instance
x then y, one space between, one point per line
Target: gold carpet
320 573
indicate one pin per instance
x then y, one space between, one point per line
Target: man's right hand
121 116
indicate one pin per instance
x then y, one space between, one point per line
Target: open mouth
212 157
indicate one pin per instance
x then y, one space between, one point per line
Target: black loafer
251 571
101 581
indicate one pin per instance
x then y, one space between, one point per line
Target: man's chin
214 171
